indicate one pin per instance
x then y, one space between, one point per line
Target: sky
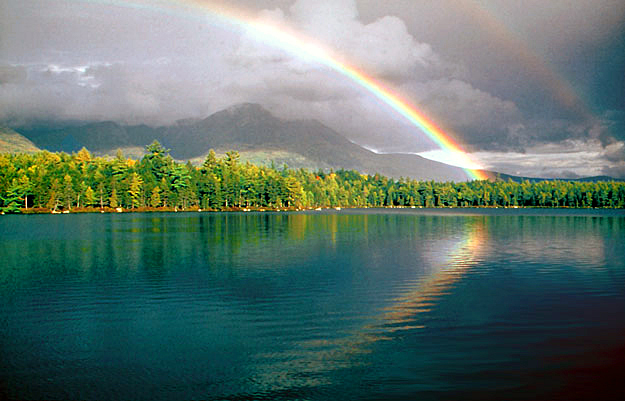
528 88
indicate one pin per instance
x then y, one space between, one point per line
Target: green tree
136 183
113 201
294 192
155 198
59 179
211 160
156 161
69 195
166 192
54 199
12 200
89 197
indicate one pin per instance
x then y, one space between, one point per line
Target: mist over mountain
248 128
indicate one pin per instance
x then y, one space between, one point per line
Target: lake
396 304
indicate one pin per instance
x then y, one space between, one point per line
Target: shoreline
31 211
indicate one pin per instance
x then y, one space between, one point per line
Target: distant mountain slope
245 127
249 126
515 178
94 136
13 142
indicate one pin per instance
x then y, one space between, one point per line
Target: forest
61 182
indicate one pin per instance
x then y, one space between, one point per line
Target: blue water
358 304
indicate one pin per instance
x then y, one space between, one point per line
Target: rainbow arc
303 47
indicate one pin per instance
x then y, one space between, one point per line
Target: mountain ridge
258 135
244 127
13 142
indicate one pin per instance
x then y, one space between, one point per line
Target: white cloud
569 158
383 48
99 61
102 91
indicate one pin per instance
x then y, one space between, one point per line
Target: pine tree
113 202
12 199
211 160
135 190
164 186
155 199
89 196
55 195
68 192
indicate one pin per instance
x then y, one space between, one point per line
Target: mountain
515 178
13 142
251 130
98 136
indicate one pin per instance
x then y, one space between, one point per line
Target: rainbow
486 17
306 48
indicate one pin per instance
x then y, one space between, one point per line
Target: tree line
58 181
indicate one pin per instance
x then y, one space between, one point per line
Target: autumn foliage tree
62 181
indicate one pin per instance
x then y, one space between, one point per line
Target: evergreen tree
113 201
68 192
61 180
134 191
211 160
12 200
155 198
54 199
89 197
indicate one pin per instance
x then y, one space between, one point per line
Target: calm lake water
355 305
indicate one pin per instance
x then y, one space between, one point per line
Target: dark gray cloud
505 78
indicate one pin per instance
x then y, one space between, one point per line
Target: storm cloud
505 79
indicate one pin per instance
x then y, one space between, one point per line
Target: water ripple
361 305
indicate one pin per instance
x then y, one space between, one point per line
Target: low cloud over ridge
97 62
